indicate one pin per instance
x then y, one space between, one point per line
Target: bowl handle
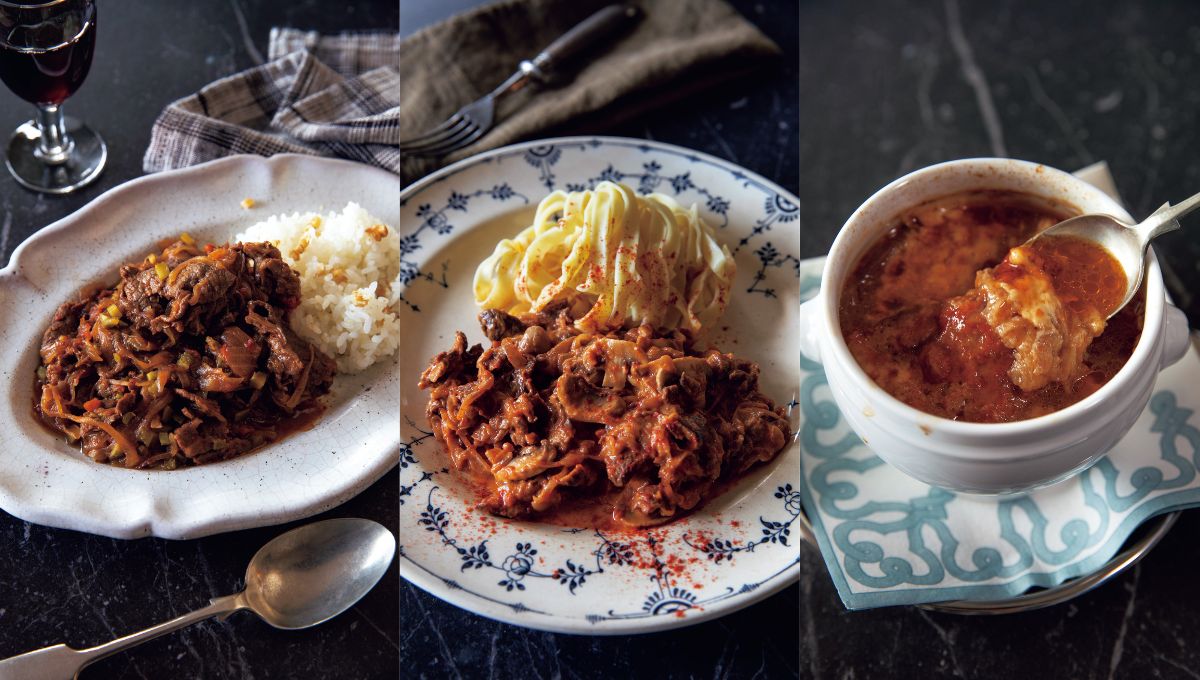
1176 336
810 328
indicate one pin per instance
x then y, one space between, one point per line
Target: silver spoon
1126 242
299 579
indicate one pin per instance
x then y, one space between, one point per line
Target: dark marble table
63 586
1069 83
753 123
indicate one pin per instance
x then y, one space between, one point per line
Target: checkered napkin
318 95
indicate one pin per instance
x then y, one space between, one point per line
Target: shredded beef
170 366
548 417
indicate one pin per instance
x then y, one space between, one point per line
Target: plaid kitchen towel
318 95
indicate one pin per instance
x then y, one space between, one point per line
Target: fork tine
434 133
469 140
463 128
445 148
441 138
457 141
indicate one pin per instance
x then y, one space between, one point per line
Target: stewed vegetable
187 360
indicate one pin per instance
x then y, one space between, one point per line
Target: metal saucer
1144 539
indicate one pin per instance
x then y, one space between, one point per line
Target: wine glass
45 53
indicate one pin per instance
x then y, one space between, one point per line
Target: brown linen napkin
678 47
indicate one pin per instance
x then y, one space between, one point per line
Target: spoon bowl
297 580
1126 242
311 574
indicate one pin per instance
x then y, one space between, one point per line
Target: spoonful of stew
1122 242
1052 295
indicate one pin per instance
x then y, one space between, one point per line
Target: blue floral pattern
543 158
439 221
888 539
665 598
768 257
777 209
637 576
773 531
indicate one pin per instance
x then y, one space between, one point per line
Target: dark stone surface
63 586
1072 82
753 123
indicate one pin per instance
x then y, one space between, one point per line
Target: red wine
47 75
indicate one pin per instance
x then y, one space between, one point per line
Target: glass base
82 167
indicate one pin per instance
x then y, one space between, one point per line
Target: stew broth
914 322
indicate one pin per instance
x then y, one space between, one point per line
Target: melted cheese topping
1048 337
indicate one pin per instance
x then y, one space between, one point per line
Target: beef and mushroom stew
627 428
595 404
188 359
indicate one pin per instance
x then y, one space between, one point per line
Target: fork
474 120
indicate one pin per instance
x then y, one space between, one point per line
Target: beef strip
198 291
282 359
497 324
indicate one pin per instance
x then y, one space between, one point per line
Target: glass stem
54 148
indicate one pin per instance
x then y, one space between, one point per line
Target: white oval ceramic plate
47 481
737 549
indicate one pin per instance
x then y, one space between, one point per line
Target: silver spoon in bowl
1126 242
297 580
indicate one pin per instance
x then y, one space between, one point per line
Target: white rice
349 267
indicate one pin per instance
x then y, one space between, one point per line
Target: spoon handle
60 661
1164 219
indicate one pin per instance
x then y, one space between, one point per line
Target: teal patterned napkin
888 539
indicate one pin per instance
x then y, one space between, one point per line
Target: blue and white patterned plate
739 548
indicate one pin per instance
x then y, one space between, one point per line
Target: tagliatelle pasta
617 258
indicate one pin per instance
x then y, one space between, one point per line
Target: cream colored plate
47 481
